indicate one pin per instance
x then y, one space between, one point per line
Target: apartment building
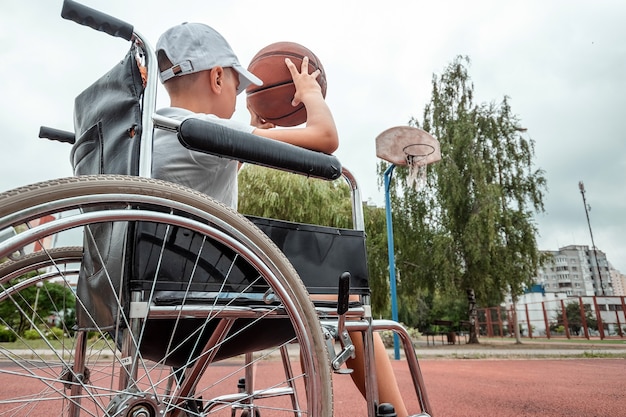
576 270
619 282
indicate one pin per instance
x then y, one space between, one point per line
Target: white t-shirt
206 173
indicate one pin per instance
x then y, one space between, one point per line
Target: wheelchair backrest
107 122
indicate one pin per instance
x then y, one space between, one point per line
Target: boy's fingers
304 69
291 67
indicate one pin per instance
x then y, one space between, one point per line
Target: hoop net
416 159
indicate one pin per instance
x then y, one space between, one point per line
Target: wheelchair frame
320 325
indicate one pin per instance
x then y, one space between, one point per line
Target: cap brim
246 78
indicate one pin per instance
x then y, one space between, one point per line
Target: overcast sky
562 63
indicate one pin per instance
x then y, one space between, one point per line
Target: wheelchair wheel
195 287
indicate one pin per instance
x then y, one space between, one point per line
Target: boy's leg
388 391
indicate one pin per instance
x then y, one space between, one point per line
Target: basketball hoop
409 146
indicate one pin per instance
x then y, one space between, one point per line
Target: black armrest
215 139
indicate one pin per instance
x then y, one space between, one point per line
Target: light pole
581 186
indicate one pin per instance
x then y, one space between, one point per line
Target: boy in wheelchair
203 76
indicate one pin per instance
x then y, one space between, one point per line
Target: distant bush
7 335
31 334
54 334
387 336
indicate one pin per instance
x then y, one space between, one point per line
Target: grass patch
592 354
556 340
41 344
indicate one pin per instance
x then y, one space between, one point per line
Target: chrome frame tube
358 222
409 350
148 107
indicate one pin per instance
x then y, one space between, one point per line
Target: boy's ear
216 78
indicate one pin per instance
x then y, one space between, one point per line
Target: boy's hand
258 122
306 84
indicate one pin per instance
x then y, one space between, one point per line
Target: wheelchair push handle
343 293
203 136
57 134
97 20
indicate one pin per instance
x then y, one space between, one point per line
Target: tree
276 194
473 227
574 319
377 260
52 296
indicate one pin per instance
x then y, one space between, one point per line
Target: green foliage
51 296
54 333
31 334
414 311
377 260
387 336
473 225
450 306
276 194
69 322
7 335
574 319
51 333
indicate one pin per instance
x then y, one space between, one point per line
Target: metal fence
573 317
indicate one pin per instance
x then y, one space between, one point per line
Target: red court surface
481 387
509 387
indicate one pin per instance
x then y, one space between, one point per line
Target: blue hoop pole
392 259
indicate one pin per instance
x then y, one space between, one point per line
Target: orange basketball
272 100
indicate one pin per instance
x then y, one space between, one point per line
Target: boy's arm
320 132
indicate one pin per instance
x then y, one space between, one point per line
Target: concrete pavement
507 348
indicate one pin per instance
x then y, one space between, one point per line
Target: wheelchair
173 299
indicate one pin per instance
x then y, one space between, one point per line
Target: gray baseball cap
194 47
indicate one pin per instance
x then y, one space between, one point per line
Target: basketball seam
288 54
264 87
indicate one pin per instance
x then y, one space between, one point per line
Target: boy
203 76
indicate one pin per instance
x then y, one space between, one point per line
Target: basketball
272 101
